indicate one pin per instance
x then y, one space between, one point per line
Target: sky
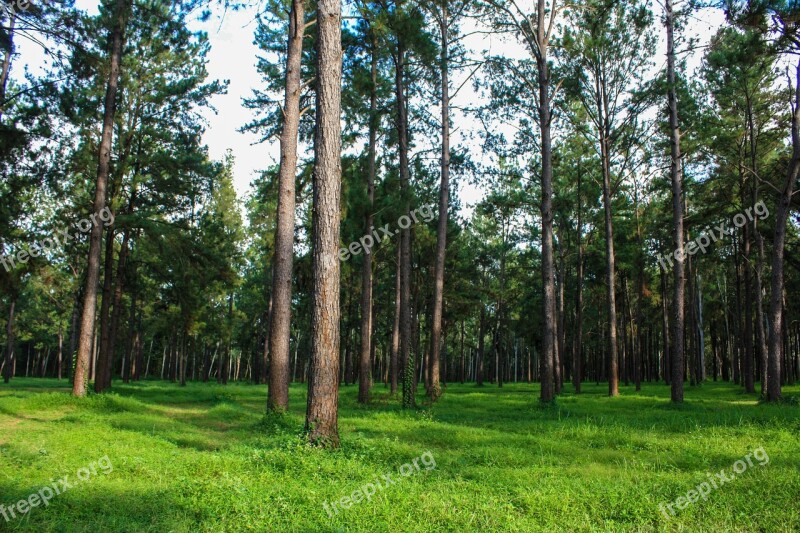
233 58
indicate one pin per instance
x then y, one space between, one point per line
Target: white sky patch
233 57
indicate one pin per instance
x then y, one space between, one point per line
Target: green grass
204 458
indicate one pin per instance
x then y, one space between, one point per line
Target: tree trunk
611 304
95 240
444 200
365 366
395 349
323 394
102 380
546 369
677 360
701 338
60 356
577 343
279 334
747 354
776 317
6 68
481 347
560 363
406 355
8 370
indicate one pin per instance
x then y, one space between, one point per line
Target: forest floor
153 456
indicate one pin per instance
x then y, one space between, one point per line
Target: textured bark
776 315
546 369
434 391
95 239
406 356
603 123
677 360
365 360
323 386
279 334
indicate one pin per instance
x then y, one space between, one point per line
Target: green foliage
204 458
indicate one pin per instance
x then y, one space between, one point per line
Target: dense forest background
558 274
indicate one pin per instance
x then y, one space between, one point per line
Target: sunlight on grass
205 458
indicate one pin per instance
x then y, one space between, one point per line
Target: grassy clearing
204 458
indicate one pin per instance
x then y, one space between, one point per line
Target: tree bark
102 380
95 240
434 390
677 360
323 397
395 349
546 369
365 366
279 333
776 317
577 347
406 355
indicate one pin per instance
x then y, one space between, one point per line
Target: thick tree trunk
323 388
95 239
279 334
776 316
677 360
